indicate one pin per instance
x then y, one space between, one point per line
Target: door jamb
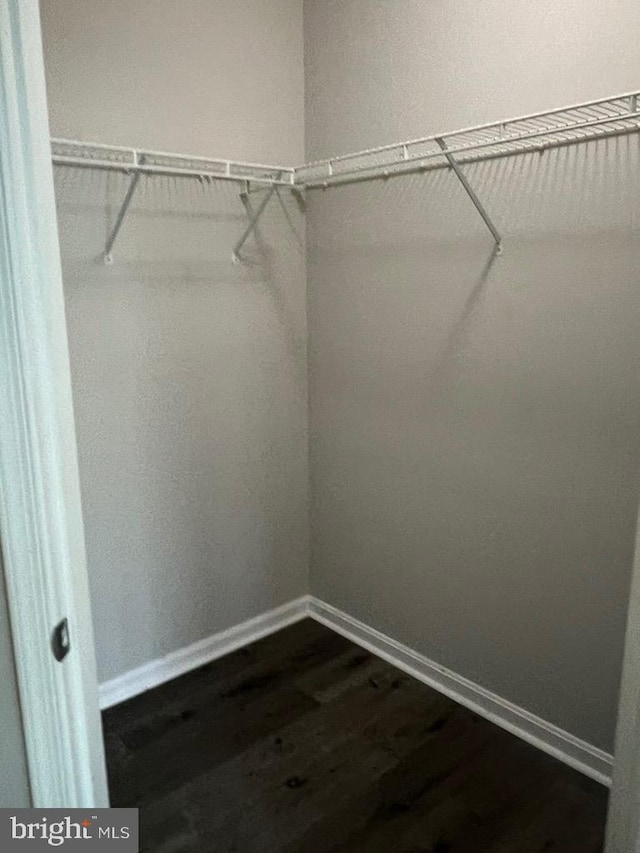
40 511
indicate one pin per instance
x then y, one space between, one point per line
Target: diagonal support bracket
253 219
117 225
451 160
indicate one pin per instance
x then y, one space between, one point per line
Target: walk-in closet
352 300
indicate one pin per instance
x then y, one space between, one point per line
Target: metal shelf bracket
451 160
107 257
253 217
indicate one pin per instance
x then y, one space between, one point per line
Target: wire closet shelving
541 131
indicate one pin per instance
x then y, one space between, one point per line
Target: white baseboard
571 750
157 671
566 747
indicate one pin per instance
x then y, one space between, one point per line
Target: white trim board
177 663
582 756
40 511
562 745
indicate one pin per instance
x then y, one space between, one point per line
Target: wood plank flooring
305 743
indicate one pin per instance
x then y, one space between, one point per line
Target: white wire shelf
613 116
135 162
90 155
536 132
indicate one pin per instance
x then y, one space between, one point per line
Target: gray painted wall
475 436
14 779
189 372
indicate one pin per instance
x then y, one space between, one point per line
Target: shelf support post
451 160
117 225
253 219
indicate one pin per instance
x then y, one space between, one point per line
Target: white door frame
40 514
623 825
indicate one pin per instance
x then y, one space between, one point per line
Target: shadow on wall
475 429
460 329
189 378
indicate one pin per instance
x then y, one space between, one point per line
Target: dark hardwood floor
305 743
